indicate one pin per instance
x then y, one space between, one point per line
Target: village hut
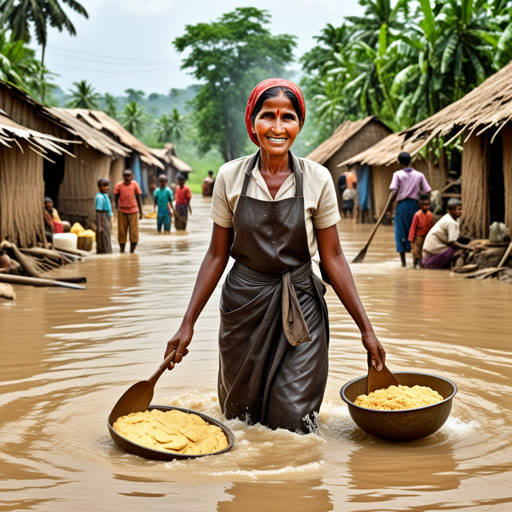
483 120
142 162
173 165
349 139
21 181
69 179
381 161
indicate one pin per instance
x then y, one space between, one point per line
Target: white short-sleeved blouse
320 203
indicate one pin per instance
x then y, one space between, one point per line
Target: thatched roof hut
173 165
381 162
484 120
21 181
349 139
70 180
142 161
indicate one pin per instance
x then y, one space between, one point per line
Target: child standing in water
163 198
422 223
103 218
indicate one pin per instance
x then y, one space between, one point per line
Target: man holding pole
405 188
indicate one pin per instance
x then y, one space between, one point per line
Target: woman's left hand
374 349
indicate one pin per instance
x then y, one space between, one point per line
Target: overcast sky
128 43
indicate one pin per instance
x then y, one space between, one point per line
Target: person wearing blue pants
163 198
405 188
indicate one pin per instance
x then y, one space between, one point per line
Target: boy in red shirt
129 206
183 196
422 223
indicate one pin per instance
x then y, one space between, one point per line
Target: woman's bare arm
339 273
210 272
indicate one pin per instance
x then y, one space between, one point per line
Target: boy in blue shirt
163 198
103 217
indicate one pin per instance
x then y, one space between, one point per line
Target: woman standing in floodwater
271 213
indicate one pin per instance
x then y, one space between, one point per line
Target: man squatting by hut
271 211
441 244
405 187
128 194
103 218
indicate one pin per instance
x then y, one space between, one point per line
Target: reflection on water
67 356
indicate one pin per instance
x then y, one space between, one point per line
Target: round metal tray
148 453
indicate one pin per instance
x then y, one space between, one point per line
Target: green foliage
134 95
229 56
19 16
169 128
133 118
372 66
83 96
18 63
110 105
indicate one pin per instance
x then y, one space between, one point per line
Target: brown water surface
68 355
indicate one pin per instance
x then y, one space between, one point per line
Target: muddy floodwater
67 356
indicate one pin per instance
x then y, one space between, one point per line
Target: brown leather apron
273 338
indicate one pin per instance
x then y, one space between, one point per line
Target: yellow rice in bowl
397 398
172 431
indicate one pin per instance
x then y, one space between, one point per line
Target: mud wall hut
349 139
69 179
21 181
381 162
141 160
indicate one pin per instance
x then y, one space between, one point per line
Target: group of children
128 202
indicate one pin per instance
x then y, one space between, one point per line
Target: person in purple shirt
405 188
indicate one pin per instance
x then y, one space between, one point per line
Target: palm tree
133 117
134 95
18 15
170 127
18 63
110 104
83 96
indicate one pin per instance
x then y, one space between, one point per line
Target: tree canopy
404 61
20 15
230 56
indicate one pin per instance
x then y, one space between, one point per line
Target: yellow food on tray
172 431
396 398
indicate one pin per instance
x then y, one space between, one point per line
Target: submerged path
68 355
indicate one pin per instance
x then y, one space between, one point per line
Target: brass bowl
149 453
408 424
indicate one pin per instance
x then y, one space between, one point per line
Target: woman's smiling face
277 125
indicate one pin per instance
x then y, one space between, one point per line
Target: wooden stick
362 253
505 256
36 281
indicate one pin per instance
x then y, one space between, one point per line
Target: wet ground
68 355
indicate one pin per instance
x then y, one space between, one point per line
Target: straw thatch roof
38 142
101 121
386 151
168 155
487 106
342 134
92 137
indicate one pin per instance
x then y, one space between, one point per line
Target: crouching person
441 245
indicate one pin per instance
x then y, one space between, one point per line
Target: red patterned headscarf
265 86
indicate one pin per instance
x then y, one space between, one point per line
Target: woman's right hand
180 341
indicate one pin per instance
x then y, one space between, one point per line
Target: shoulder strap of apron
296 168
248 171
